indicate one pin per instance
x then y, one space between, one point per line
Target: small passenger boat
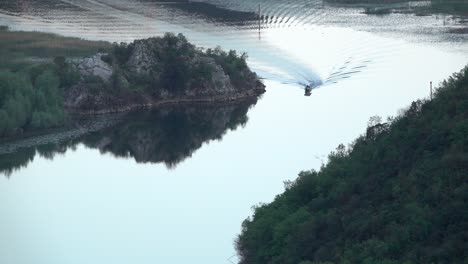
308 90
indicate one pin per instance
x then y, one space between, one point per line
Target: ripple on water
239 28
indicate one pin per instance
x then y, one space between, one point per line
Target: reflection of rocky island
167 135
163 135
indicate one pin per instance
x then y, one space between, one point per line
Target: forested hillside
398 194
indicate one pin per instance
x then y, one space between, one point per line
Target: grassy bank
398 194
457 7
19 49
381 7
32 79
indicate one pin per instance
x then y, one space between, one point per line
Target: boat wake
243 25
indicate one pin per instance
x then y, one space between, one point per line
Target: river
174 185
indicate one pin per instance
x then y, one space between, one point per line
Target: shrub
19 101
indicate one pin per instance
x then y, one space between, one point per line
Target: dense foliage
458 7
393 1
381 7
29 100
399 194
232 63
33 75
175 65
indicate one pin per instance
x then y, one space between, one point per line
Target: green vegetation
399 194
176 65
390 1
20 49
381 7
367 1
164 68
232 63
32 81
458 7
29 103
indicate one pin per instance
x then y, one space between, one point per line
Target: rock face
141 58
94 66
219 83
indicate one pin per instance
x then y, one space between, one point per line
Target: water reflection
166 135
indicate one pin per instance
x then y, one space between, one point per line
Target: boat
308 90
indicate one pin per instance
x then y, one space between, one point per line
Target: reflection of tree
10 162
167 135
14 161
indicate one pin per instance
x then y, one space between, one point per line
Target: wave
207 23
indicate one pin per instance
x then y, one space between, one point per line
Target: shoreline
71 129
208 100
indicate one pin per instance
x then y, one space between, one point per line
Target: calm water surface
174 185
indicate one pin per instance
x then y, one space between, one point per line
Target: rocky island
158 71
42 85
